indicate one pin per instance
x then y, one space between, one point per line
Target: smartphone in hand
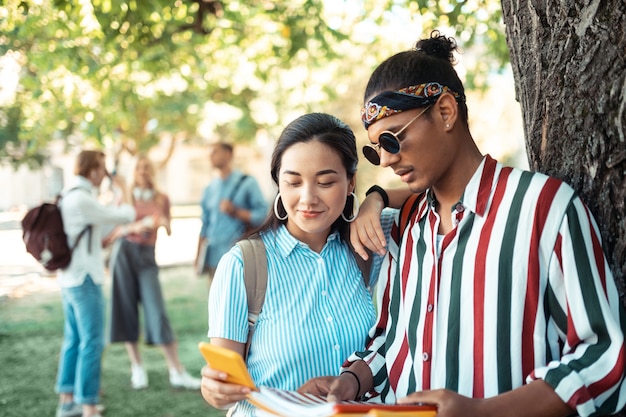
227 361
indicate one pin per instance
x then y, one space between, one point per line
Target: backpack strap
80 235
255 280
82 232
237 185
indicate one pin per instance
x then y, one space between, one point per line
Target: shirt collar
477 191
81 182
286 243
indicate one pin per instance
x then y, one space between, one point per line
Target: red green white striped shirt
519 290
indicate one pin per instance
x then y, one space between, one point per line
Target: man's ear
447 110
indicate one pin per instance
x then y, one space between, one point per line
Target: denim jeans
83 342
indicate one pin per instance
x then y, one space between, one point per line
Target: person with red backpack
78 379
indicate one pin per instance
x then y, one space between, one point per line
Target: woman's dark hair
432 60
323 128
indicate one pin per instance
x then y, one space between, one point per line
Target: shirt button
337 347
459 207
425 356
429 308
324 293
329 319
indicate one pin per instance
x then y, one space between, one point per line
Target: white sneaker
139 377
183 380
69 410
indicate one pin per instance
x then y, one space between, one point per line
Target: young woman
78 381
317 307
136 280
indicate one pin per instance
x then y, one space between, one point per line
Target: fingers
343 388
368 232
358 247
317 386
219 393
419 397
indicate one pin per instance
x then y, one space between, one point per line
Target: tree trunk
569 64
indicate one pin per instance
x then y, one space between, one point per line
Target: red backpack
45 238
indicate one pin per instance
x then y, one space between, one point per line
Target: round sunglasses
388 141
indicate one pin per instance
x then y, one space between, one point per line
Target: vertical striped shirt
519 290
317 310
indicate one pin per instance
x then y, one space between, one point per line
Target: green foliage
123 73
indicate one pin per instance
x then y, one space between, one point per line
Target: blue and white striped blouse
317 310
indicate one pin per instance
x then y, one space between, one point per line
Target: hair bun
438 45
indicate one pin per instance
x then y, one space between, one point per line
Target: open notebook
276 402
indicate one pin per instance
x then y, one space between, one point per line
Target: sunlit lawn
30 338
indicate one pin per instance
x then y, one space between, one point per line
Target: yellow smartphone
228 361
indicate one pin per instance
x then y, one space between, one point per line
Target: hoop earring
355 209
276 209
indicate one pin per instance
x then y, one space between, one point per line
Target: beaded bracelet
381 192
358 391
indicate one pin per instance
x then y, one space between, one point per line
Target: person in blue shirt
317 307
230 203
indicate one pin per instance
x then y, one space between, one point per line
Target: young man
230 203
78 379
497 299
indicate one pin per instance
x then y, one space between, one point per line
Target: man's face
98 174
219 156
422 159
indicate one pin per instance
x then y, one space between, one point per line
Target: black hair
328 130
225 146
431 60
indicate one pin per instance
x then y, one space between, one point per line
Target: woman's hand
219 393
116 233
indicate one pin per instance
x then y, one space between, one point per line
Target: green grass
31 330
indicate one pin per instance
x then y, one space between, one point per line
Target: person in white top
78 379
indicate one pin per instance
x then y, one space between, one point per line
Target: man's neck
225 172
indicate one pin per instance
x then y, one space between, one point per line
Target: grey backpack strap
255 279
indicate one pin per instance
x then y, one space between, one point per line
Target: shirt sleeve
228 304
588 373
256 201
374 349
93 212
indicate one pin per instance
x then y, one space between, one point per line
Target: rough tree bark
569 64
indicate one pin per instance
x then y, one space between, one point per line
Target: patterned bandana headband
389 103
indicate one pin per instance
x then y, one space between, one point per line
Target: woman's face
143 174
314 186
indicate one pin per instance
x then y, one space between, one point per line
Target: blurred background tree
124 74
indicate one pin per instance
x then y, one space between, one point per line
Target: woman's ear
447 110
352 185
